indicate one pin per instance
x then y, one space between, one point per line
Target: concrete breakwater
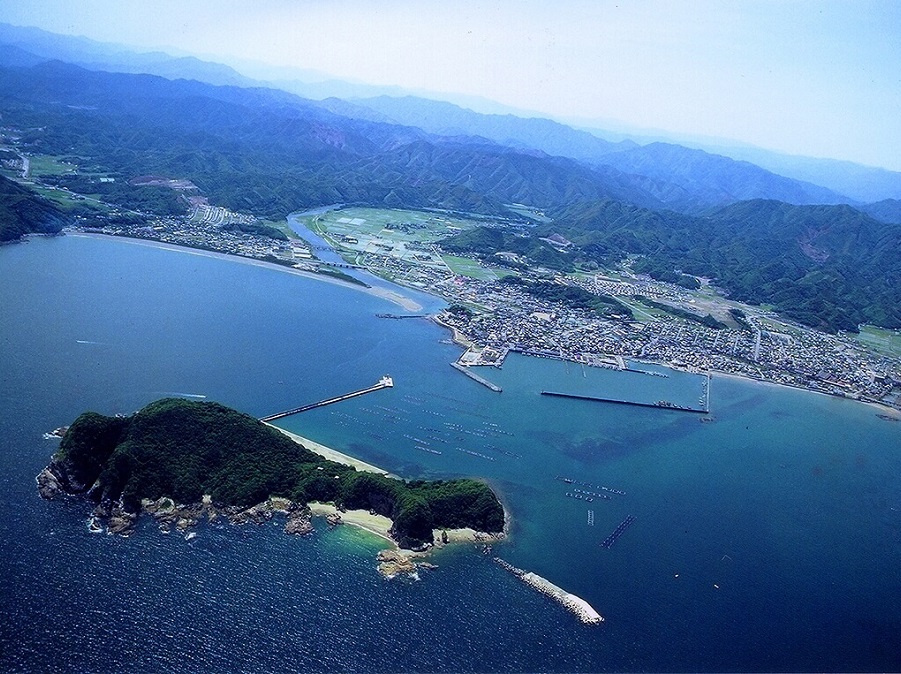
660 404
472 375
581 608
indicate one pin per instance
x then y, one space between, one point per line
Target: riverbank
404 302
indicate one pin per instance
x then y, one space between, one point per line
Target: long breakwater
384 382
660 404
581 608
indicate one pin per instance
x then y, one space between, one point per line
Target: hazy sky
814 78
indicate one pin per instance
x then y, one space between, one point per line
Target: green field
390 224
881 340
463 266
527 211
49 165
401 234
61 197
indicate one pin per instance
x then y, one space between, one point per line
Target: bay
766 539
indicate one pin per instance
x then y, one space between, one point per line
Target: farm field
402 234
881 340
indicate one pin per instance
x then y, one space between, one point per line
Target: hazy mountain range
819 255
845 182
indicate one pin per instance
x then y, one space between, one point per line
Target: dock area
472 375
384 382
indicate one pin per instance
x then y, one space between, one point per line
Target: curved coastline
404 302
894 412
412 306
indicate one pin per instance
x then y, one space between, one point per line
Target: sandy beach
332 454
401 300
377 524
380 526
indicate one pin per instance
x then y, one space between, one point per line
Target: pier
384 382
398 317
660 404
475 377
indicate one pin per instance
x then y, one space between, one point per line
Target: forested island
186 452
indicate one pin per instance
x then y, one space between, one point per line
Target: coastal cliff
225 463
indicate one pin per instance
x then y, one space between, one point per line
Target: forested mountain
270 152
24 212
677 177
715 180
831 267
828 266
887 210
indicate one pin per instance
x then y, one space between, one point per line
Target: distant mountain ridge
269 152
716 179
447 119
94 55
678 177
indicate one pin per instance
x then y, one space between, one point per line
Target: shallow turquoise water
789 502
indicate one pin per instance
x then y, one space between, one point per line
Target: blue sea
767 538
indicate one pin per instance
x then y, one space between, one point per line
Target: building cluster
509 319
203 234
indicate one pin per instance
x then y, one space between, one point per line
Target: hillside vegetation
22 211
830 267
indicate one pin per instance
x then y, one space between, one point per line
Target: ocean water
768 538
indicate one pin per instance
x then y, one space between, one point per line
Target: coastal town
491 318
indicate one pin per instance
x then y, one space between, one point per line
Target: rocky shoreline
112 518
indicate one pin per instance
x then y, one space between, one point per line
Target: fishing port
581 608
